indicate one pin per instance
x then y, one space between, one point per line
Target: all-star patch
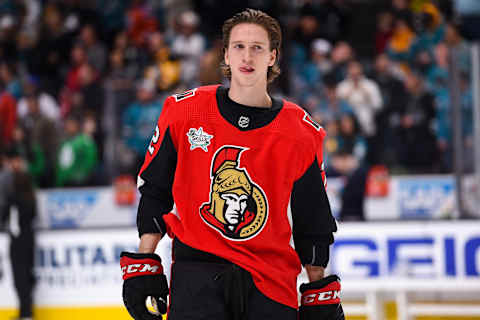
199 139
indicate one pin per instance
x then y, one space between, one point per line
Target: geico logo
426 255
132 268
321 296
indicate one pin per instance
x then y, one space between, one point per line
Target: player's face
235 206
249 55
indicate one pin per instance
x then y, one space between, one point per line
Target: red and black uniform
243 184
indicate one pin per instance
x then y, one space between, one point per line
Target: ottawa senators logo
238 208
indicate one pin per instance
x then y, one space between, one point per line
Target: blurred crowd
82 81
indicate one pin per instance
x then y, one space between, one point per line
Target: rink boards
78 273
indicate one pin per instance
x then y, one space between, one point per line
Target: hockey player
236 178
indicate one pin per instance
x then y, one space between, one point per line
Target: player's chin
246 81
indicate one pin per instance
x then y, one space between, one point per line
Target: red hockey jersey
245 184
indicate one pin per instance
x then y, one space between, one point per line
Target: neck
255 96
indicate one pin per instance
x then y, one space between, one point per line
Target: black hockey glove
321 300
142 277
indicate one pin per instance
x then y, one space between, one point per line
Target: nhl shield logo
238 208
243 122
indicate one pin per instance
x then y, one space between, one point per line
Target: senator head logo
238 208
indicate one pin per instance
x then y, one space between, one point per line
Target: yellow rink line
80 313
120 313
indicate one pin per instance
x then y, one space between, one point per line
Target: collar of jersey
258 116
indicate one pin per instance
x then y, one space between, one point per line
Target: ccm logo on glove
131 267
328 297
329 294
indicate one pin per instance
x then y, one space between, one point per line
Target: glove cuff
140 264
321 292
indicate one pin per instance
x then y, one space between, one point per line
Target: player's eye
238 46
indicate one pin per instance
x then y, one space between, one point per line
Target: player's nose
247 55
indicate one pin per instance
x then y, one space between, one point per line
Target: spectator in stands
331 107
444 125
437 75
141 22
163 69
52 50
388 77
384 31
307 30
119 85
8 29
8 118
401 41
349 162
78 59
95 50
453 39
415 140
112 18
363 95
9 79
77 157
92 96
134 57
209 72
40 132
320 56
342 54
333 18
432 30
307 79
423 62
47 104
137 124
189 46
34 156
401 10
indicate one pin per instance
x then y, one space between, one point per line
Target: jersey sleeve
313 222
155 179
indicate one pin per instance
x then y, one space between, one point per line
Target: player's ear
225 56
273 57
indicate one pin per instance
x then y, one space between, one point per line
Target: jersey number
156 136
308 119
185 95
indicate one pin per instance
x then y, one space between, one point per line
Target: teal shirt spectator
444 117
15 89
137 125
426 41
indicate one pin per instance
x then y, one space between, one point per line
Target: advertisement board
408 197
8 297
422 197
433 251
84 208
81 268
